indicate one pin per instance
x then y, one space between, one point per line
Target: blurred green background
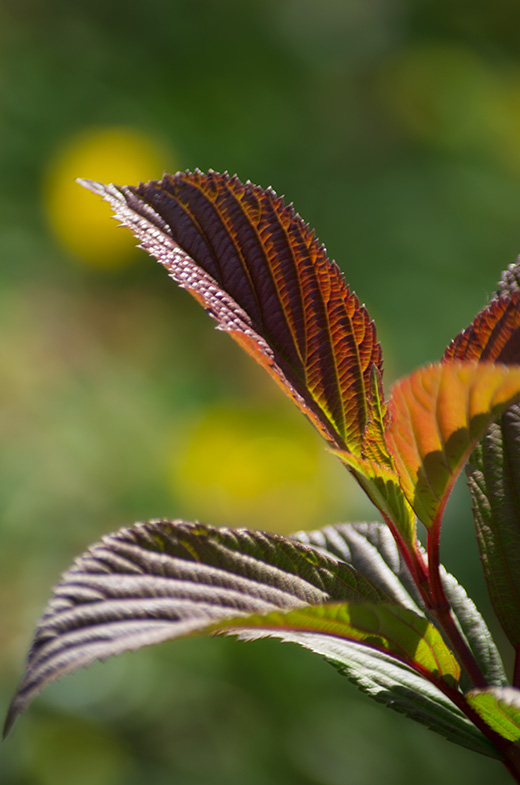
394 126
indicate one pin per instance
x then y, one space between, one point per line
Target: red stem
440 608
412 558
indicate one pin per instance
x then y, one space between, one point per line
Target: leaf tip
91 185
13 712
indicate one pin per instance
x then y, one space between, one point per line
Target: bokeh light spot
449 97
250 469
79 221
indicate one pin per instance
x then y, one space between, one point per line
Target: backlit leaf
494 335
500 708
381 484
163 580
385 627
437 416
259 271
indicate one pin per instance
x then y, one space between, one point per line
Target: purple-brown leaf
260 272
493 336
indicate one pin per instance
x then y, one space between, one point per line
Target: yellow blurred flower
120 155
245 468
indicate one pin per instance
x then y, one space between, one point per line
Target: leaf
386 627
474 631
509 280
494 481
163 580
437 416
381 484
494 335
371 549
493 471
259 271
500 708
394 684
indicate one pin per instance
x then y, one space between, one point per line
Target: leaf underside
163 580
437 416
258 269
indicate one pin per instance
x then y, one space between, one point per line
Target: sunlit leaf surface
500 708
493 336
381 484
259 271
389 628
438 414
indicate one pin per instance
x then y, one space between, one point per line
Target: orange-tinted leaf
260 272
494 335
437 416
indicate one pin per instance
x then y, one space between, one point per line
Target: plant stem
440 608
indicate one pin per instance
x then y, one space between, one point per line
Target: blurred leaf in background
393 126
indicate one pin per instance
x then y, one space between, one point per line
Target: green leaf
259 271
371 549
381 484
500 708
437 416
395 685
163 580
494 481
385 627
